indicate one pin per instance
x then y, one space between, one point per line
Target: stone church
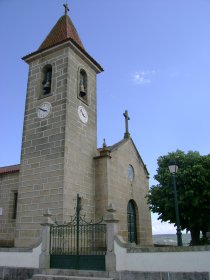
59 155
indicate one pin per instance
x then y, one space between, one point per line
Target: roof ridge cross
127 118
66 6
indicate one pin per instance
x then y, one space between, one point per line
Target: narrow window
83 85
47 80
15 199
130 173
131 217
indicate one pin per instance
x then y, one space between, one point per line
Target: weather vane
66 8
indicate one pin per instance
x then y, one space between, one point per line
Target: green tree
193 189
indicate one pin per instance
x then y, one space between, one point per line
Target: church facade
59 155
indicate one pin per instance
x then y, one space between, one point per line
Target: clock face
83 114
43 110
130 173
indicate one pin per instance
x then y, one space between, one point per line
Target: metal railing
85 239
78 237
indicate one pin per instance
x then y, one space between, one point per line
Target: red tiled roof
10 169
63 29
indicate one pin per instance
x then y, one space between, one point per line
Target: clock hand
82 113
43 110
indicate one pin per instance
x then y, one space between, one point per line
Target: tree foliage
193 190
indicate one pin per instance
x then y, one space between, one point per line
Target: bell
46 87
82 91
47 82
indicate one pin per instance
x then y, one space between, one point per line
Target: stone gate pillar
112 229
44 258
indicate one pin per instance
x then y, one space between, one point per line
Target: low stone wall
20 273
9 273
131 275
16 257
174 259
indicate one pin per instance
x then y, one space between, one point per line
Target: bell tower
59 133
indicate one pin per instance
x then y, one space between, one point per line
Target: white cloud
142 77
159 227
162 228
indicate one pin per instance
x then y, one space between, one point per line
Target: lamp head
173 167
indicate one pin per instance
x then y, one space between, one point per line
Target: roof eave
120 143
68 42
10 169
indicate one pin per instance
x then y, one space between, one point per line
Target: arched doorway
131 217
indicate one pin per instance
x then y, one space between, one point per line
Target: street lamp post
173 170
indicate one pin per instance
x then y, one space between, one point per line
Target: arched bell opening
47 80
83 86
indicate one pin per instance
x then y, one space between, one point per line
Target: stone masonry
114 187
8 187
57 152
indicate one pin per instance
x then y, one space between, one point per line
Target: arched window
131 217
82 85
47 80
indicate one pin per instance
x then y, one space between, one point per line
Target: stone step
61 277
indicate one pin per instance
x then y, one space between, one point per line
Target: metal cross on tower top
66 8
127 118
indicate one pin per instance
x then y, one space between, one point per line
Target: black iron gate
78 244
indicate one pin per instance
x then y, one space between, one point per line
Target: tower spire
62 31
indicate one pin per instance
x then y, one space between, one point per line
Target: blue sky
156 57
